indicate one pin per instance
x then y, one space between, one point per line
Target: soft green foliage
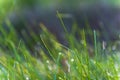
54 61
5 7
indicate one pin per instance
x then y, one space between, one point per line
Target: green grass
51 60
54 61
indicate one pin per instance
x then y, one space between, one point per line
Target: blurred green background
7 5
47 6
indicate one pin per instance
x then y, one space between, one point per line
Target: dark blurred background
100 15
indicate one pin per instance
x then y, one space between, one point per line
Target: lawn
43 57
50 60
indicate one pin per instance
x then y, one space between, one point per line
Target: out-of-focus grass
5 7
54 61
